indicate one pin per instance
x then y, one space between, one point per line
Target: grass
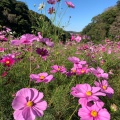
61 104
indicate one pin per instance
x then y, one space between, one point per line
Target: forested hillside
16 15
104 25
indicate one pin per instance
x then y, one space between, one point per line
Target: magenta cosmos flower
28 104
74 60
45 41
7 61
105 87
71 72
25 39
83 70
93 112
2 49
86 93
42 52
15 42
3 38
72 37
49 43
51 1
41 77
51 10
77 62
78 38
99 73
57 68
28 38
77 71
70 4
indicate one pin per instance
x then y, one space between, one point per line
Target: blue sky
81 15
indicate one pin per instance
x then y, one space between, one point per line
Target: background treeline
104 25
16 15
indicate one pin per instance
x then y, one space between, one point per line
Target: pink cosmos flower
51 10
99 103
99 72
39 36
15 42
74 60
93 112
46 41
41 77
77 62
78 38
56 68
77 71
70 4
105 87
83 70
42 52
86 93
7 61
4 74
103 49
71 72
51 1
72 37
2 49
109 51
50 44
3 38
27 38
28 104
8 29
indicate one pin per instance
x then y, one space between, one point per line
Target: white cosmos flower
41 6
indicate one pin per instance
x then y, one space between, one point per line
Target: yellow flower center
58 69
42 77
29 103
94 113
104 87
73 71
7 62
88 93
82 71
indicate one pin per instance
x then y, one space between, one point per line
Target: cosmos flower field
41 79
44 79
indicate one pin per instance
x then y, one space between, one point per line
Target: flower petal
41 105
38 97
95 89
37 112
19 102
48 78
28 114
18 115
34 76
25 92
104 114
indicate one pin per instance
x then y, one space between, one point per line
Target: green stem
71 82
30 65
62 17
53 97
73 112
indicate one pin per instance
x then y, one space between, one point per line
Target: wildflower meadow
46 79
